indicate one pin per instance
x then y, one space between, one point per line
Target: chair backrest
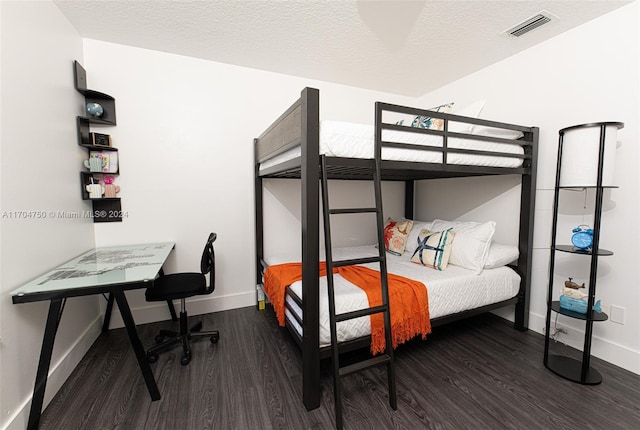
208 262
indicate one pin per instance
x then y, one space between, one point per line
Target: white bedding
350 140
451 291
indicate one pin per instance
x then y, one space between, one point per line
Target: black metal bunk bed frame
299 126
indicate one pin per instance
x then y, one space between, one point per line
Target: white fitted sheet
451 291
351 140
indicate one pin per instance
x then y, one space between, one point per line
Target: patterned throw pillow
433 248
432 123
395 235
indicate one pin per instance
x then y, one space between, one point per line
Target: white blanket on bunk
351 140
451 291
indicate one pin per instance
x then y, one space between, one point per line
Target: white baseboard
58 374
604 349
158 311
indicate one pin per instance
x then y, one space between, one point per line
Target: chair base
183 337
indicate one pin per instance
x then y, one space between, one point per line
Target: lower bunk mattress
451 291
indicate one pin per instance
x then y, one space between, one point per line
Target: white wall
40 164
589 74
185 137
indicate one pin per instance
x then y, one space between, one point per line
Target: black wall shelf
105 209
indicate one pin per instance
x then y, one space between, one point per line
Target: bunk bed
291 148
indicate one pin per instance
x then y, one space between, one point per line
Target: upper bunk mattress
351 140
453 290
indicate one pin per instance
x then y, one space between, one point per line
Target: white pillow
501 255
496 132
471 246
473 111
412 238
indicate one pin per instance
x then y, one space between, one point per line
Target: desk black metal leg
137 345
107 314
172 311
55 312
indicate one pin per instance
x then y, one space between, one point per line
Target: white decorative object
95 191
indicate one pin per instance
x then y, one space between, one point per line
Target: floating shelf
595 316
583 187
98 147
573 250
99 121
107 210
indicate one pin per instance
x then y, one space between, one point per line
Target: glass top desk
109 270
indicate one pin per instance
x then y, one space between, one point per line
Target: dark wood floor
476 374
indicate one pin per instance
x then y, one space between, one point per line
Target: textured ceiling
402 47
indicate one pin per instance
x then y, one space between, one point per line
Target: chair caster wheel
152 357
214 338
186 359
159 338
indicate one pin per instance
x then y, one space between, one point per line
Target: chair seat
176 286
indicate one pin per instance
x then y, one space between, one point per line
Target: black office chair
180 286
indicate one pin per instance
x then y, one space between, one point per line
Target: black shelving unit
106 209
569 368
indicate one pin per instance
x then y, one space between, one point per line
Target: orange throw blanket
408 300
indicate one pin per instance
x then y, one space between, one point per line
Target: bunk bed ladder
387 356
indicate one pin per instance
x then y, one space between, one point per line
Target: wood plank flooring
476 374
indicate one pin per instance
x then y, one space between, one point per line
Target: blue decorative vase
95 110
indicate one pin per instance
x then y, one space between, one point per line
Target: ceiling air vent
529 24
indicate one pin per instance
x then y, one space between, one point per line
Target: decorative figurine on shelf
577 305
573 285
573 299
95 190
572 290
582 237
95 164
95 110
110 189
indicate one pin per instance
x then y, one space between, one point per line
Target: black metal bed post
259 214
310 176
409 196
525 240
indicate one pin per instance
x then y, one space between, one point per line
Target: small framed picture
99 139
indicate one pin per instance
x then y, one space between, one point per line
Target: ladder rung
360 313
365 364
355 261
353 210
